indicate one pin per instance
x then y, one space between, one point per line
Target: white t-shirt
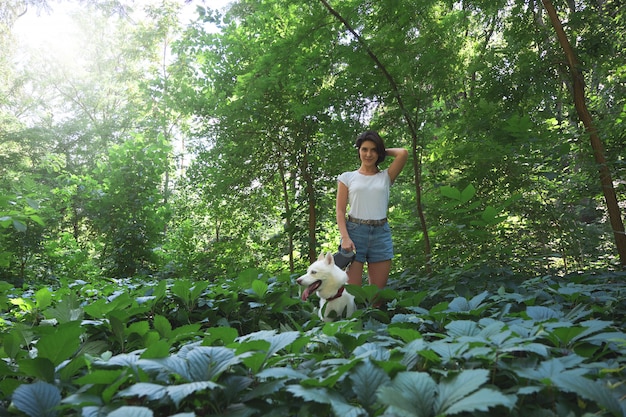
368 195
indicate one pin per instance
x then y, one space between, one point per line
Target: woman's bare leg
378 273
355 273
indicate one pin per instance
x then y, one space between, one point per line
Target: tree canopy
207 146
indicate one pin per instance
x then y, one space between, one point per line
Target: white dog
328 280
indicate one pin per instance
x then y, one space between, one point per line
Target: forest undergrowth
460 344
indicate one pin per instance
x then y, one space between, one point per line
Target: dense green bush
248 346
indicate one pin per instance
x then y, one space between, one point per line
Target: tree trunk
288 214
610 197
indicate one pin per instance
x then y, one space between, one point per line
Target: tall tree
578 92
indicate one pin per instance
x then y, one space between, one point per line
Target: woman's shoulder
347 176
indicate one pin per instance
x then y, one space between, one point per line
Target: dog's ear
329 259
321 257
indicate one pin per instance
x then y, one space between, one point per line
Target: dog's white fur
327 279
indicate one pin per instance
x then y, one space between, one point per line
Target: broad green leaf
146 390
337 373
342 408
541 313
179 392
374 351
39 399
255 360
247 277
592 390
65 311
11 343
412 352
43 298
32 203
138 327
450 192
61 344
158 349
366 379
413 392
460 305
460 328
563 336
318 395
449 351
259 287
206 363
458 387
173 363
188 331
481 400
281 373
467 194
41 368
131 411
100 376
264 389
407 335
19 225
553 369
490 215
122 360
162 325
281 341
37 219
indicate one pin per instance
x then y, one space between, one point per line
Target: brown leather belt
380 222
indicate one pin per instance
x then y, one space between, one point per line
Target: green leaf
459 387
43 298
541 313
460 328
450 192
318 395
39 399
407 335
41 368
277 341
413 392
159 349
592 390
481 400
162 325
179 392
467 194
61 344
11 343
19 226
281 373
206 363
259 287
146 390
490 215
131 411
100 377
366 379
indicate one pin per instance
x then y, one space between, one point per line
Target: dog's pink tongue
308 290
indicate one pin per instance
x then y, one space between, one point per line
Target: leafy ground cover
544 347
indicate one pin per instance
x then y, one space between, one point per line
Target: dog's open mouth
310 289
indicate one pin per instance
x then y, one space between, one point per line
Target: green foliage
130 212
249 346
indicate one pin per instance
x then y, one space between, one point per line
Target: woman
366 192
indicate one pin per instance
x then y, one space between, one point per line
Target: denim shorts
372 243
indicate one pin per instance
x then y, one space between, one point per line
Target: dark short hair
373 136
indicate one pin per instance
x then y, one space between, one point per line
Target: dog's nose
299 281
